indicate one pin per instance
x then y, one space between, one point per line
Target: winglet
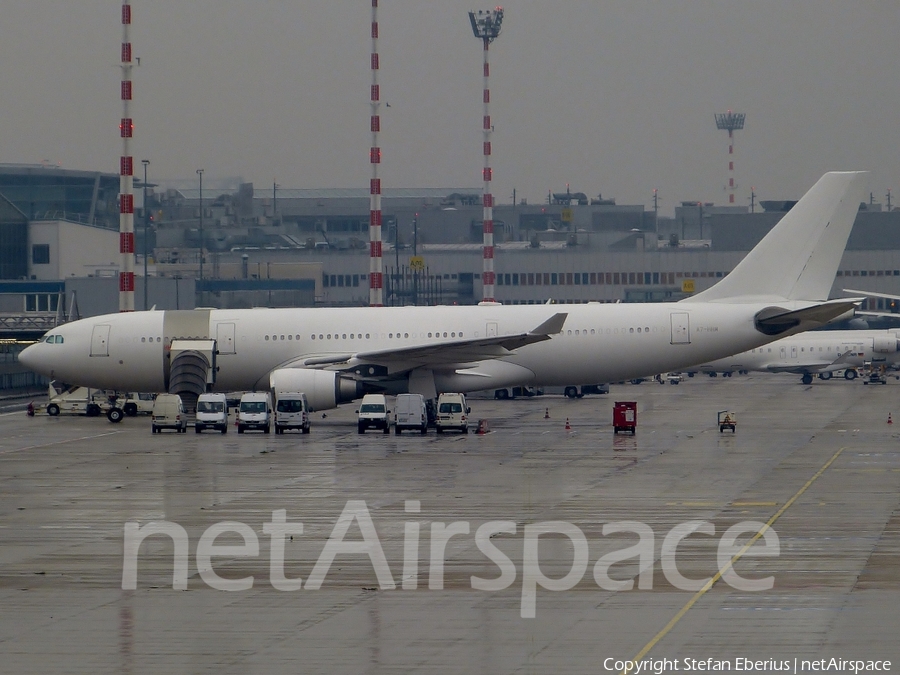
551 326
799 257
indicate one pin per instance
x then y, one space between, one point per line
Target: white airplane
336 355
819 353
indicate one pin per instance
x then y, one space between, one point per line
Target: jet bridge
192 366
191 363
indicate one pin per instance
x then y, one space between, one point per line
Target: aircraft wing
444 353
872 294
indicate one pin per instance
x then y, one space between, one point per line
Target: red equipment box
625 416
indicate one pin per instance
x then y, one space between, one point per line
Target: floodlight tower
376 273
486 26
731 122
126 174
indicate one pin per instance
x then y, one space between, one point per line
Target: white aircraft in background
335 355
819 353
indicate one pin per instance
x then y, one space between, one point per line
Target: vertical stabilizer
799 258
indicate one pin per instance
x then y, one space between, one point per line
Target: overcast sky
614 97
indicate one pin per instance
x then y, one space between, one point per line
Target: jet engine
885 344
324 389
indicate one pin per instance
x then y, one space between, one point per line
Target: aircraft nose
29 357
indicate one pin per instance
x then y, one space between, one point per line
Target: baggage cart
727 420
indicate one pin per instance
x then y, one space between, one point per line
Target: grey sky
615 97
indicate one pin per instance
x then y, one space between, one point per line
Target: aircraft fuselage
599 343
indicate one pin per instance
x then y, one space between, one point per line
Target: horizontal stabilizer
777 320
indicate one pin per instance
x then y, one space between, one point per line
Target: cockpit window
53 339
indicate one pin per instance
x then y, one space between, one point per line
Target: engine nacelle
324 389
885 344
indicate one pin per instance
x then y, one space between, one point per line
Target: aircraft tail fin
798 259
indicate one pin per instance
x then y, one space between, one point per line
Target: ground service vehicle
515 392
212 413
453 413
410 413
291 412
726 419
625 417
137 403
255 412
373 413
75 400
578 391
168 413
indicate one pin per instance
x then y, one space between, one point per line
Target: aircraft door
794 353
100 340
681 328
783 353
492 329
225 338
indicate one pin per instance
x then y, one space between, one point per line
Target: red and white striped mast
486 26
730 122
126 174
376 274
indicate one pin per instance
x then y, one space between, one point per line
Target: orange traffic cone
568 426
889 419
546 413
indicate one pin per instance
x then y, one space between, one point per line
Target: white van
410 413
452 413
168 413
212 413
255 412
291 412
373 412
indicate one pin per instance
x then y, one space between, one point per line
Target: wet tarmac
817 466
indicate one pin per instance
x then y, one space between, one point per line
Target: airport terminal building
283 247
